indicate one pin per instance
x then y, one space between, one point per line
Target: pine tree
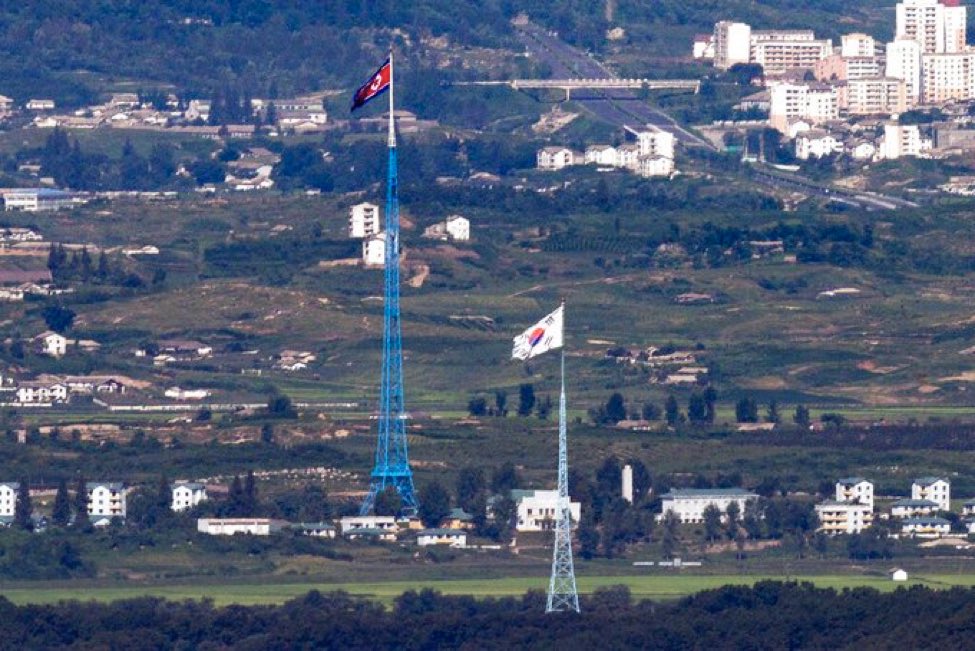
81 503
236 497
61 512
23 508
164 496
250 494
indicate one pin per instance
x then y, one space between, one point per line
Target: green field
641 587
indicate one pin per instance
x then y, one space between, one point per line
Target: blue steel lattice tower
392 467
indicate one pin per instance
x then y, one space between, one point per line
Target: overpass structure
604 83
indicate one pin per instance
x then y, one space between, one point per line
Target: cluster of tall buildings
927 63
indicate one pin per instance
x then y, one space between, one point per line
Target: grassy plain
641 587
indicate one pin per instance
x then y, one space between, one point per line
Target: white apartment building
855 489
946 77
688 504
778 55
186 495
857 45
556 158
234 526
842 517
604 155
937 25
41 393
904 62
877 96
936 489
813 102
374 250
538 509
8 498
732 44
901 140
363 220
656 143
106 499
352 522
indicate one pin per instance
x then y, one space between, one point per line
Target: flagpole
392 127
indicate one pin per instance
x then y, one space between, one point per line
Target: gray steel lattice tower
562 594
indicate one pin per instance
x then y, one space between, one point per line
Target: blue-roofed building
926 527
908 508
106 500
8 498
936 489
855 489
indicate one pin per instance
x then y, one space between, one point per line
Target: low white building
39 105
52 344
651 166
383 522
186 394
458 228
843 517
448 537
538 509
816 144
909 508
936 489
374 250
363 220
926 527
688 504
8 498
315 529
556 158
106 499
234 526
41 393
855 489
968 508
898 575
186 495
862 150
657 143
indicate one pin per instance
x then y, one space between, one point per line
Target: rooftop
710 492
927 481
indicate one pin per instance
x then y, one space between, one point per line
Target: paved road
624 109
868 200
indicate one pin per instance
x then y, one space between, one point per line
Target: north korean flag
378 83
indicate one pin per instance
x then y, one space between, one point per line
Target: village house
448 537
355 522
817 143
936 489
177 393
968 508
314 529
234 526
41 393
926 527
374 250
184 349
855 489
106 500
458 519
556 158
8 500
537 509
602 155
186 495
908 508
455 227
52 343
688 504
369 533
843 517
39 105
